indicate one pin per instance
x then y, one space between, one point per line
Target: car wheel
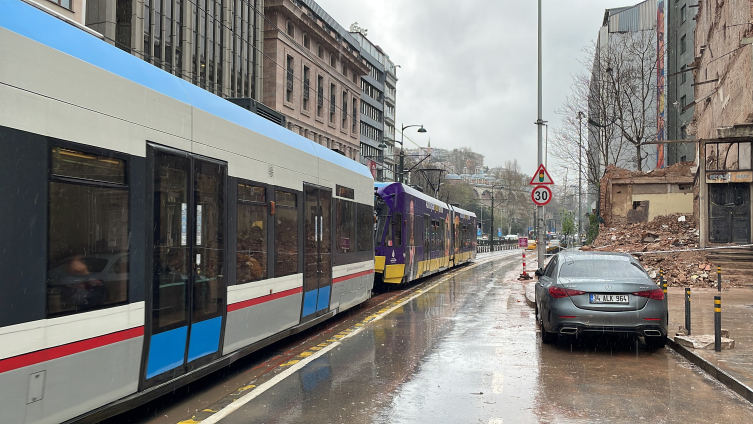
547 337
654 343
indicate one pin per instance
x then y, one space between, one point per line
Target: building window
354 115
344 110
306 87
252 233
289 80
332 102
683 133
683 13
683 102
371 112
291 29
306 42
345 69
332 60
682 44
63 3
87 258
684 75
286 233
319 95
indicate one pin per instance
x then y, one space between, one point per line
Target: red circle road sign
541 195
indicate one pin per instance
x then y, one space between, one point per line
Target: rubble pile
668 232
664 234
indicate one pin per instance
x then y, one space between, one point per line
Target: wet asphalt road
467 351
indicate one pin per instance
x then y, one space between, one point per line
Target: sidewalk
733 367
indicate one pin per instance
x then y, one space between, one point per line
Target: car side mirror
539 272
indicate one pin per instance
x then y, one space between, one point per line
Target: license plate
609 298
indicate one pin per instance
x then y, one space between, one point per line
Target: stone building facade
312 74
723 119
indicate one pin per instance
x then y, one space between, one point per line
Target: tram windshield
383 216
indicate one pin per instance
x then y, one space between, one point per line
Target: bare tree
630 64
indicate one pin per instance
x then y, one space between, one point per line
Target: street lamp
491 232
400 175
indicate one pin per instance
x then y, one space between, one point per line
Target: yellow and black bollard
718 323
719 278
687 309
663 286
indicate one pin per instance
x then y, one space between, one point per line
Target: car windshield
598 268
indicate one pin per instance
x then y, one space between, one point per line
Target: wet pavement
463 348
737 316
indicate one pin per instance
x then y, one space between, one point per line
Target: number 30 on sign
541 195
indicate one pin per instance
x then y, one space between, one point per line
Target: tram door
187 303
317 272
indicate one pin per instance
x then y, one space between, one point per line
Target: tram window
345 234
251 250
87 258
208 285
72 163
286 234
444 241
365 227
397 225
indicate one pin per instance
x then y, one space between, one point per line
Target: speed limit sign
541 195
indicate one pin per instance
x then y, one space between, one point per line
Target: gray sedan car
582 292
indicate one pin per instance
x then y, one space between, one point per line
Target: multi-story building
390 104
312 74
372 104
626 46
214 44
680 47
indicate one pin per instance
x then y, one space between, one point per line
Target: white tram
152 232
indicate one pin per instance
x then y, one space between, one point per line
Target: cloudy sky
468 67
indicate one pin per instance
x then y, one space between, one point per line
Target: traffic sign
541 177
541 195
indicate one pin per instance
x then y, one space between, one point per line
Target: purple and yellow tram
418 235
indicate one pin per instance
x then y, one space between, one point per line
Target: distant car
588 292
531 244
554 242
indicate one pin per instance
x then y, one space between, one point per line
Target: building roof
452 177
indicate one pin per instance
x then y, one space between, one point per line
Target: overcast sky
468 67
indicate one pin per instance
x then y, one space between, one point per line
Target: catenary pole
540 244
580 175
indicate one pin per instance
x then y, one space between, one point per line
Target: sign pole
541 245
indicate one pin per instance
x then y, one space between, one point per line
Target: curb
734 384
530 294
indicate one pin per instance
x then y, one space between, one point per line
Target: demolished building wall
723 67
632 196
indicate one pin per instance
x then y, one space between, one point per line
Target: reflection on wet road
467 351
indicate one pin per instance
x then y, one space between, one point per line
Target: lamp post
580 172
401 177
540 157
491 231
